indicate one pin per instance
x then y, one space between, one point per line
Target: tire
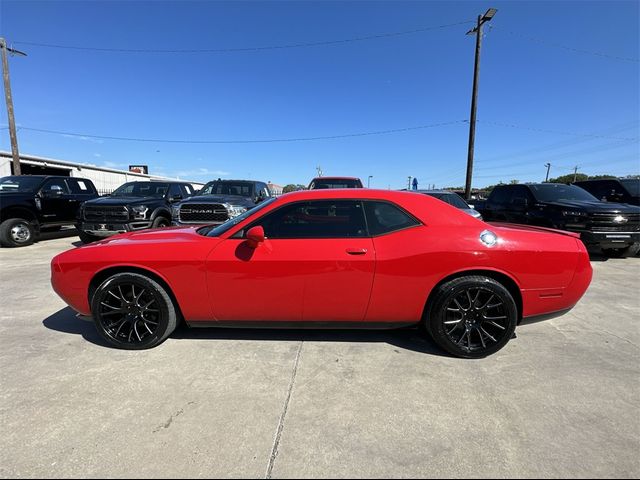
17 232
161 222
628 251
472 317
87 237
133 312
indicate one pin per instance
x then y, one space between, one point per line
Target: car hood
169 235
595 206
118 201
231 199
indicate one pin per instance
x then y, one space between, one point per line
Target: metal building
105 179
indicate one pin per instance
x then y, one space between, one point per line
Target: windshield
632 185
220 229
141 189
553 192
335 183
244 189
19 183
451 199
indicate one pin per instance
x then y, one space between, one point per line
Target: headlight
175 211
234 210
573 213
139 211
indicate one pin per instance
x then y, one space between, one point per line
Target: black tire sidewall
446 292
167 321
6 240
156 223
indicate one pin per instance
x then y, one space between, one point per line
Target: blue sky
541 100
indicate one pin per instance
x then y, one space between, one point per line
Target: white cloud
201 172
83 138
97 155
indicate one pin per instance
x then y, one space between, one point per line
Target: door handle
356 251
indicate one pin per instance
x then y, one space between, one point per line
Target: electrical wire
249 49
270 140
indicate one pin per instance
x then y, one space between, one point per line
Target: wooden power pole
7 95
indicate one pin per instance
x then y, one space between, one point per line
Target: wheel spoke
502 317
115 296
455 300
491 322
486 304
484 345
135 329
113 312
488 335
110 306
116 323
451 322
120 327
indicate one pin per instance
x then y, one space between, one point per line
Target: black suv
220 200
615 227
132 206
623 190
30 204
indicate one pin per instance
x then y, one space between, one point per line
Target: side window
187 190
499 196
55 186
519 195
316 219
383 217
79 186
174 190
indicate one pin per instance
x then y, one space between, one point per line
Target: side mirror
255 236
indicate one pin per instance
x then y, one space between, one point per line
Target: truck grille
615 222
203 213
105 213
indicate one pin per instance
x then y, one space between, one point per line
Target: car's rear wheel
16 232
133 312
472 317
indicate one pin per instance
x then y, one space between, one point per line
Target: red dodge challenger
340 258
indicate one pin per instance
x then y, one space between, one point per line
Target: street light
369 181
482 19
548 165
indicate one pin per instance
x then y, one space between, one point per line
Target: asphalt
561 400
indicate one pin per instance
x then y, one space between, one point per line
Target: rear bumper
543 317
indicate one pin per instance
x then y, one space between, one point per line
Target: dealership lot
561 400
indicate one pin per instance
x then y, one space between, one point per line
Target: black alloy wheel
132 311
472 317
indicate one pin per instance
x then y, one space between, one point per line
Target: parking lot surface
561 400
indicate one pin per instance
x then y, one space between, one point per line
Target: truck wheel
86 237
16 232
160 222
628 251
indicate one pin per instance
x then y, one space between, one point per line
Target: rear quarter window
384 217
80 187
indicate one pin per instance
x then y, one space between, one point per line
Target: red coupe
354 258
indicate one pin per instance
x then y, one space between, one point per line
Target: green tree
569 178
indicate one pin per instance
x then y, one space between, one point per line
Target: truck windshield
220 229
22 183
141 189
335 183
632 185
244 189
553 192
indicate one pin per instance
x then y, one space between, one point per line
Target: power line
542 41
271 140
248 49
557 132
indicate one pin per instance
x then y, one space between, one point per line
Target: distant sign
139 169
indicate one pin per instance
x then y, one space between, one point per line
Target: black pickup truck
621 190
220 200
30 204
614 227
132 206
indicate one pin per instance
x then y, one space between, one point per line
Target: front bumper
610 239
108 229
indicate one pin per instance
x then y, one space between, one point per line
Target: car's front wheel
133 312
472 317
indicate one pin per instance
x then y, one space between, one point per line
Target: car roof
334 178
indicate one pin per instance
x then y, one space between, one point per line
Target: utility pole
409 182
548 165
369 181
319 170
7 95
482 19
575 173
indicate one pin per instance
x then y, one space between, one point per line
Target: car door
54 200
518 204
316 264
